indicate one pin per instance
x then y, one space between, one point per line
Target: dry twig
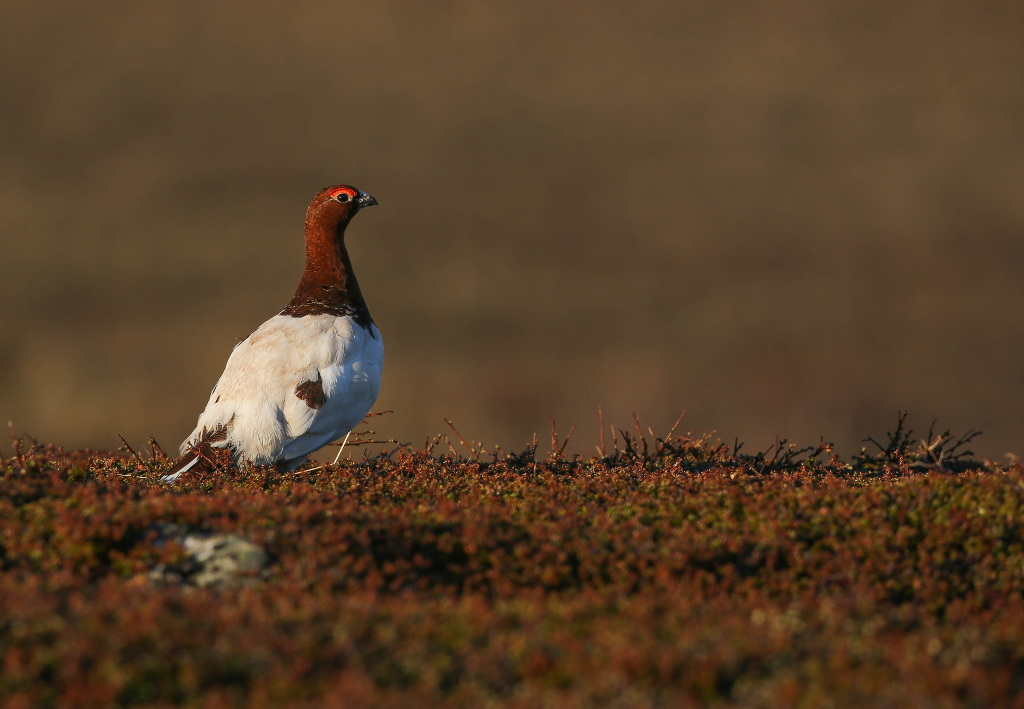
131 450
476 455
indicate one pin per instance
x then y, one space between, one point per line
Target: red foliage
691 578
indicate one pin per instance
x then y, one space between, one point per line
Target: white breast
256 400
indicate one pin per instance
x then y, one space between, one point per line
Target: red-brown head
335 206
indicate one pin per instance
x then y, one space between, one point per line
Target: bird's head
337 205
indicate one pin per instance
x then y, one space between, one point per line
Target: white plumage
255 398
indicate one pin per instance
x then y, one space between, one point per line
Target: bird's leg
338 457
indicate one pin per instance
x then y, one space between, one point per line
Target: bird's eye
343 197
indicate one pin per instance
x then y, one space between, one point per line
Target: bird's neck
328 285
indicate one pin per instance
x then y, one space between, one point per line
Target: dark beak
365 200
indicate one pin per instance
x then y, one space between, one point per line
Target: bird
308 375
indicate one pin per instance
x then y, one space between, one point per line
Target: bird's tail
204 456
198 459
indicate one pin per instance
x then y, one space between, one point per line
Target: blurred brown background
791 218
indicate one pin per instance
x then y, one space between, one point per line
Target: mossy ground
684 575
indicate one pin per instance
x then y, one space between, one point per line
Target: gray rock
216 560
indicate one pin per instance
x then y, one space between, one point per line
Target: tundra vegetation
663 571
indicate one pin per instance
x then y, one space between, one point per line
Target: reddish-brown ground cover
688 575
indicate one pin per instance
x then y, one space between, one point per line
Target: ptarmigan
309 374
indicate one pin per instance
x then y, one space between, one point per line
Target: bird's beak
365 200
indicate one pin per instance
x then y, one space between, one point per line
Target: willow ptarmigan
309 374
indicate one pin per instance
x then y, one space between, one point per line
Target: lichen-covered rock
215 560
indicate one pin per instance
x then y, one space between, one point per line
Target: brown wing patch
312 393
220 433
